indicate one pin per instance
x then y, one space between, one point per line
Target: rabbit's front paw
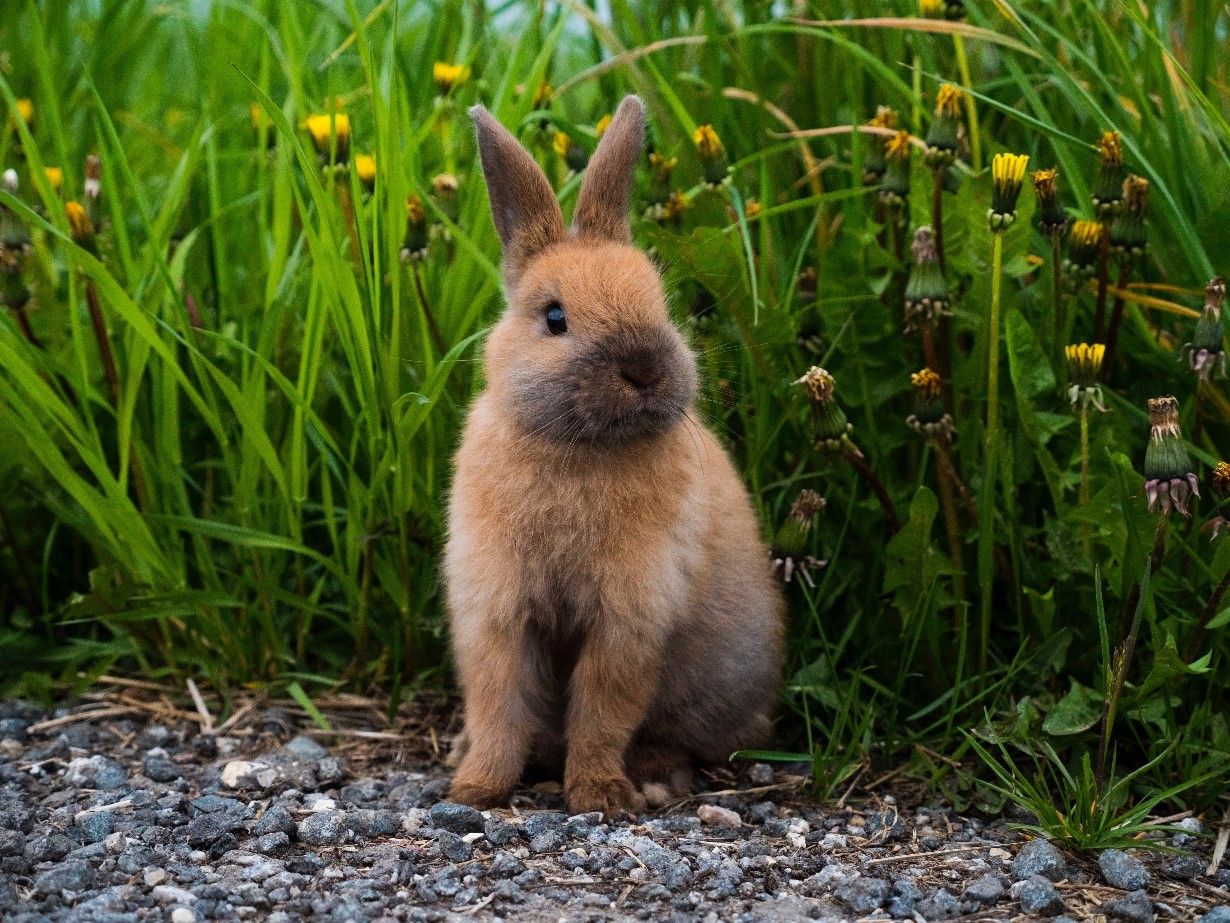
611 796
478 793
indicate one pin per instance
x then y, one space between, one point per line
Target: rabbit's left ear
606 190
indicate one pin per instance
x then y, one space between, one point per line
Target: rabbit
611 604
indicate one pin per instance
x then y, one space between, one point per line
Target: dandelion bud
790 543
929 418
323 129
926 292
1052 216
830 427
1128 234
444 187
365 170
80 225
1084 245
571 152
1007 176
448 77
1169 479
713 163
895 186
875 163
414 247
1084 369
1108 188
942 135
1206 353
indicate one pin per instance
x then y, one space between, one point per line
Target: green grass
264 503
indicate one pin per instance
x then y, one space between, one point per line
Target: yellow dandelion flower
603 124
55 176
885 117
322 127
449 76
676 204
1085 363
542 96
1087 233
25 109
415 214
707 142
1007 175
948 101
1221 477
931 9
79 222
751 209
560 143
927 383
365 169
898 147
1110 147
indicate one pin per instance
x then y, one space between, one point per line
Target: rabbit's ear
606 190
524 208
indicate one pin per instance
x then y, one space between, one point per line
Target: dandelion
805 286
1084 245
25 112
414 246
751 209
676 205
895 186
603 124
875 163
713 162
660 169
1007 176
830 428
542 95
1108 188
789 550
1221 479
80 225
931 9
1084 369
448 77
1169 478
571 152
365 170
93 177
326 129
1205 353
926 292
55 176
1128 235
1052 216
942 137
444 188
954 10
929 419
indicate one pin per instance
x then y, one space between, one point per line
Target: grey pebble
1123 870
454 848
939 906
160 769
1039 857
324 828
304 748
863 895
985 891
1186 867
456 818
1217 915
760 774
499 833
275 820
1037 895
69 876
1134 908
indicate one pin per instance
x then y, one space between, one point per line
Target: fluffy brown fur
612 608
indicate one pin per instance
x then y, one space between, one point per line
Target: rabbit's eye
557 323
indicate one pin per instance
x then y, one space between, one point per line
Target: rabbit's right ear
523 206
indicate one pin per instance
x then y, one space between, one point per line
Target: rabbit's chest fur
570 528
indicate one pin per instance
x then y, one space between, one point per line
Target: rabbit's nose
642 372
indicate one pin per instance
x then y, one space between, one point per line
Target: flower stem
344 196
1057 293
426 306
859 464
1122 659
1210 612
971 111
104 343
1099 314
956 547
986 504
937 218
1086 534
1116 318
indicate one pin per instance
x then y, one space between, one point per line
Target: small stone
542 822
324 828
275 820
12 842
304 748
1134 908
182 915
109 775
69 876
160 769
548 841
1185 867
939 906
241 774
456 818
1037 895
863 895
498 833
97 827
170 894
1039 857
760 774
272 843
330 770
986 891
154 877
716 816
206 829
1123 870
454 848
1217 915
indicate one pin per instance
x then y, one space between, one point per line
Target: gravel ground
125 807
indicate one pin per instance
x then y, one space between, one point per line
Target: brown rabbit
612 607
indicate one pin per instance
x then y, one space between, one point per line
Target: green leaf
1077 711
296 692
913 563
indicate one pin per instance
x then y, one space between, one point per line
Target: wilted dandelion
929 419
676 205
1128 234
93 177
365 170
1205 353
713 162
1220 479
1084 369
926 292
830 428
414 246
942 136
895 186
1108 188
790 544
444 188
1007 176
1169 478
1052 216
80 226
875 163
954 10
448 76
328 132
